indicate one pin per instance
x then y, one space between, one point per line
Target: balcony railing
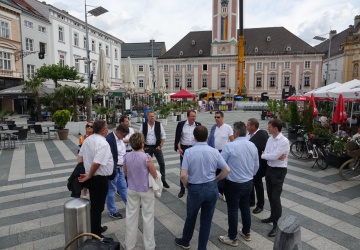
10 73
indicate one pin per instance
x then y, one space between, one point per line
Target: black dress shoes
257 210
272 232
268 220
181 194
165 184
103 229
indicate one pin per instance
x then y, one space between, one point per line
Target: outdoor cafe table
48 126
8 133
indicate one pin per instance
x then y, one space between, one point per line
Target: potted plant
294 120
61 118
337 151
164 112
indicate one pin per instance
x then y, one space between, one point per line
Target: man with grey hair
241 155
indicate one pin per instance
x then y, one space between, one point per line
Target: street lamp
320 38
97 11
152 62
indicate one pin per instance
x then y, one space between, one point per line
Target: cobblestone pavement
33 192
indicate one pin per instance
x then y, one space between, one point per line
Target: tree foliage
34 85
58 72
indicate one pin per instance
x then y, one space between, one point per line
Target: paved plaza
33 191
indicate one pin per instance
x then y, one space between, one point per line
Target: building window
28 24
259 65
116 54
205 67
93 45
272 81
272 65
94 68
307 81
61 34
223 66
86 68
76 39
62 59
189 68
355 70
258 81
77 64
335 76
30 70
5 62
188 82
141 68
177 82
307 64
116 72
204 82
107 50
177 68
222 82
287 65
287 80
84 42
100 45
151 68
166 68
141 83
42 29
167 82
5 31
42 47
29 44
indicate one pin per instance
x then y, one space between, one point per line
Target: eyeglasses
89 126
217 117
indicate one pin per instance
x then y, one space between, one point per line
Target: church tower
224 31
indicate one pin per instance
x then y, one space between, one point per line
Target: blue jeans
118 183
237 196
204 197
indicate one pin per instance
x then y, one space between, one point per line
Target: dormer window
256 50
181 53
268 39
288 48
193 42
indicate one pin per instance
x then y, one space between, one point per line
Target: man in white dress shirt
125 120
276 153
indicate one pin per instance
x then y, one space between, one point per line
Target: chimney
356 20
332 33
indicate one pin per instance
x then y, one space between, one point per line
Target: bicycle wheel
350 169
298 150
320 161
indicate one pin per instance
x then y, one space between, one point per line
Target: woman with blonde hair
137 167
89 131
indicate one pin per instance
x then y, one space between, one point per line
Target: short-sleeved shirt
96 149
131 132
222 135
201 162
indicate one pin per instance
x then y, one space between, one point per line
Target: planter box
163 121
335 160
292 134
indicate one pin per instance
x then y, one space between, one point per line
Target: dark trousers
259 188
221 183
237 197
98 188
274 182
151 150
183 148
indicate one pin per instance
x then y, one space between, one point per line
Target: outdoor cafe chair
39 131
21 137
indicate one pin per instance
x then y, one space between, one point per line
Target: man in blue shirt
242 157
198 175
146 109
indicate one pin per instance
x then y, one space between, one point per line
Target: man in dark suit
184 139
259 137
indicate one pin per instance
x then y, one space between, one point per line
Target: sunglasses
89 126
217 117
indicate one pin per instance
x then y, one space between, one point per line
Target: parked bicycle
350 170
314 148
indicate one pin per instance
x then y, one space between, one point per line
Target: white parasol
103 83
148 81
129 77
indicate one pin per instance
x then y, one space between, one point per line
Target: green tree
58 72
88 93
34 85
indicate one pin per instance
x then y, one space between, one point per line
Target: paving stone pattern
33 191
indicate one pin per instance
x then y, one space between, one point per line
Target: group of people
229 161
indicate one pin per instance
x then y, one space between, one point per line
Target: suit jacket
260 139
178 133
110 138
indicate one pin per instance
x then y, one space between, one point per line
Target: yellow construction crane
241 58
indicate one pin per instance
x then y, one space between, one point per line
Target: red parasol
312 100
183 94
340 115
300 98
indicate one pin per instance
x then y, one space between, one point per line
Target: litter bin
76 221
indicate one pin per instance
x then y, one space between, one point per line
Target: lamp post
97 11
152 62
320 38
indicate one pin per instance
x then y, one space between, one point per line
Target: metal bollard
288 234
76 220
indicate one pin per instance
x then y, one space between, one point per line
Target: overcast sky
170 20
